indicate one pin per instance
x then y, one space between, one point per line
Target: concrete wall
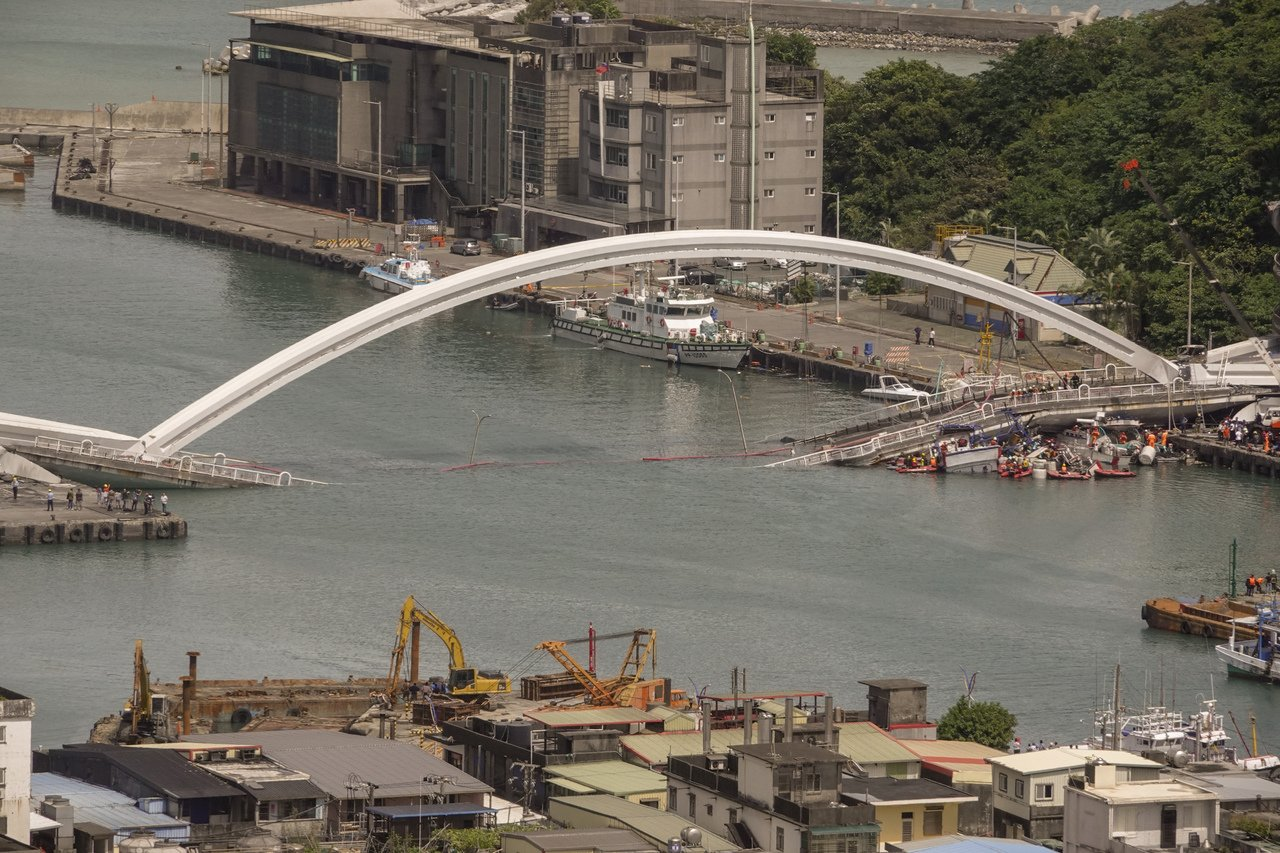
15 758
954 23
150 115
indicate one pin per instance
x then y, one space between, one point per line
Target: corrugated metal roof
867 743
291 789
103 806
965 844
610 777
162 771
650 823
559 719
571 786
657 748
599 840
330 758
1040 268
1067 758
951 749
675 721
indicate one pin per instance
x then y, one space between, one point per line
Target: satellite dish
1180 759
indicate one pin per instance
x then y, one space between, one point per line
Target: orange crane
611 691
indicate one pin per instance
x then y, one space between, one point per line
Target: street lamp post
1190 265
1014 230
523 165
378 104
742 432
836 193
476 438
204 97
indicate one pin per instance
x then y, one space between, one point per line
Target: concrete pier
27 520
1222 454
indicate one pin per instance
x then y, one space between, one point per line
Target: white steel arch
460 288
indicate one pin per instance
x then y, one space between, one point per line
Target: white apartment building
16 712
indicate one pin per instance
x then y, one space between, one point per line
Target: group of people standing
1248 434
1259 584
126 501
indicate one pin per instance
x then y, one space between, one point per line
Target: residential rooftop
1069 758
903 792
795 752
618 778
1159 790
867 743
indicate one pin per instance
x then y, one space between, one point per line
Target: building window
719 156
671 798
651 122
614 117
768 193
782 836
932 821
264 811
651 161
677 159
648 198
808 229
810 191
677 121
693 804
1004 782
810 121
770 118
1019 789
653 804
616 156
593 150
1044 790
908 826
709 810
811 153
593 113
719 119
3 734
768 155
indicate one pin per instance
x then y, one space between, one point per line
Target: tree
988 723
782 48
803 289
882 284
540 10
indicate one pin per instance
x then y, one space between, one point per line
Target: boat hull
722 355
383 283
975 460
1242 664
1208 619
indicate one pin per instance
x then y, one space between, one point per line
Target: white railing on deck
170 467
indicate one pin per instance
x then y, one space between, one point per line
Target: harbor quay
27 519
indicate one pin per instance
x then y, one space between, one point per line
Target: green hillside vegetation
1038 141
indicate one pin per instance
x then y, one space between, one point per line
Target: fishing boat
894 390
1206 618
1058 474
399 274
965 449
1253 658
666 324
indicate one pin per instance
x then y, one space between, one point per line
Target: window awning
290 49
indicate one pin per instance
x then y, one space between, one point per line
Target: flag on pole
602 68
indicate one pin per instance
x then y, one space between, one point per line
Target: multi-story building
16 712
694 144
354 107
1028 797
1105 815
782 797
336 105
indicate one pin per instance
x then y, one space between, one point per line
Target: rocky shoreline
900 41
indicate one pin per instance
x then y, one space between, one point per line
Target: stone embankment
834 37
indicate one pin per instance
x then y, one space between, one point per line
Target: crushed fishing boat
965 449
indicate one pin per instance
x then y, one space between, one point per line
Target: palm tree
890 234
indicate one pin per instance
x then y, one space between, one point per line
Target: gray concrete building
336 104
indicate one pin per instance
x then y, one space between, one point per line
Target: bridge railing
173 466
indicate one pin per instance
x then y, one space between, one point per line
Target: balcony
824 815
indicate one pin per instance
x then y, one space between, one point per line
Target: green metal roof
867 743
618 778
654 825
572 786
657 748
1040 268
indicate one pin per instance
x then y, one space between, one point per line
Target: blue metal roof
105 807
430 810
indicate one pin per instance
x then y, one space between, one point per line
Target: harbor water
810 580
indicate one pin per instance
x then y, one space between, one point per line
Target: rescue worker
1249 585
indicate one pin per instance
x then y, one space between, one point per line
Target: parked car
699 276
465 247
776 263
731 263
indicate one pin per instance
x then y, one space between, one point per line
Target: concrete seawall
949 23
149 116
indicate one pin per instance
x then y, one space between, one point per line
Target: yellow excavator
463 680
138 710
627 687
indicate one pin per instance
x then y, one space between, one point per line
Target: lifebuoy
47 536
75 534
105 533
1185 627
162 530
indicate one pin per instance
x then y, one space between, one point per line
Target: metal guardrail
991 412
234 470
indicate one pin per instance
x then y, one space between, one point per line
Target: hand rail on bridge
185 463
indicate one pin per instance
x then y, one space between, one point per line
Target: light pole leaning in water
736 409
476 438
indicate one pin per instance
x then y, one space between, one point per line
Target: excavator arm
411 615
140 701
597 691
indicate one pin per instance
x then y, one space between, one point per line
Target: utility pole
524 246
1190 265
204 97
836 193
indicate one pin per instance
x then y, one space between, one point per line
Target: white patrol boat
397 274
666 324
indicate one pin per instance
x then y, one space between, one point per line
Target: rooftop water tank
581 17
560 19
